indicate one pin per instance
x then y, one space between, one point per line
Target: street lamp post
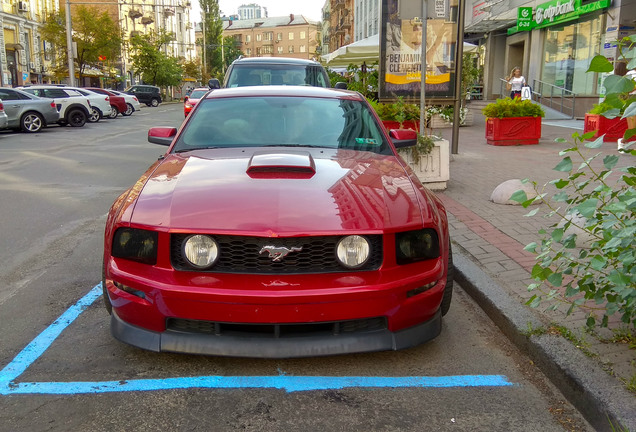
69 45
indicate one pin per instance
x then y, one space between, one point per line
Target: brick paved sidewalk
494 235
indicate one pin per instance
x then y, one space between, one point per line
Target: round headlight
353 251
201 251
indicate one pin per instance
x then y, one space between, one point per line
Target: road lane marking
289 383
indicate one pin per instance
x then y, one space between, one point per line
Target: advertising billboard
401 49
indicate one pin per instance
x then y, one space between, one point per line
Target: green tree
192 69
149 60
213 27
94 32
231 50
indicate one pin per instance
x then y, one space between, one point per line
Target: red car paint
193 98
116 101
341 192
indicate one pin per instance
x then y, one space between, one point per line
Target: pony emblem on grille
277 253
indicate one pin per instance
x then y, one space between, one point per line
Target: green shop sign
554 12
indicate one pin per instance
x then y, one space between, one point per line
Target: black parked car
147 94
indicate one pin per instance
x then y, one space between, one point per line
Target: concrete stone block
503 192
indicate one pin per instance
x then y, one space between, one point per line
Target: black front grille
333 328
238 254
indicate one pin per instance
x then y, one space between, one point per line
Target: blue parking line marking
289 383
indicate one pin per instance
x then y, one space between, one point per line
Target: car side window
54 93
6 95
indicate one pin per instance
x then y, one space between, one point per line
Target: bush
512 108
598 276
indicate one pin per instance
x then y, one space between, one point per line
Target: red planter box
410 124
613 129
513 131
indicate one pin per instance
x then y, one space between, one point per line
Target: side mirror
403 137
161 135
214 84
341 85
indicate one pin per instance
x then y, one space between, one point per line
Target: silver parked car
26 111
4 120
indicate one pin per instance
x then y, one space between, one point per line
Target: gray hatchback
26 111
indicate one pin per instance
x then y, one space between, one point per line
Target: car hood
271 192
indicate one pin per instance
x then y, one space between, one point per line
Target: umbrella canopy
365 50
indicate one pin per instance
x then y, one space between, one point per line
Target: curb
601 399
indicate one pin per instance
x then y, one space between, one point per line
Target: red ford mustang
279 223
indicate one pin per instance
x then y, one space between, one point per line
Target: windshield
276 74
197 94
283 121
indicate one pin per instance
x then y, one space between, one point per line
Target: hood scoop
281 164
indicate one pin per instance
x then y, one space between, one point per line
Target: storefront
572 34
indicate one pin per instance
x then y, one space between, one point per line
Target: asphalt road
55 190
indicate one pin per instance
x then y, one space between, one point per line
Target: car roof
276 60
292 91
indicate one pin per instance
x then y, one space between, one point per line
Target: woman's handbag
526 93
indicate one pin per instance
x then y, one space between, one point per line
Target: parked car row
32 108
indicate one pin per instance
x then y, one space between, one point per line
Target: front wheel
113 112
31 122
95 116
129 110
154 102
76 118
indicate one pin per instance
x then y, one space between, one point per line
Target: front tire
129 110
95 116
450 277
76 118
113 112
31 122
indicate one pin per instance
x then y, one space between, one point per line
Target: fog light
420 290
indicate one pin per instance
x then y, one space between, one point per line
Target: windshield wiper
297 146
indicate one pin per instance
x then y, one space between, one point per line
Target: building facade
553 42
24 56
251 11
366 19
341 29
287 36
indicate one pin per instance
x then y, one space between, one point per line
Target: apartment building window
303 48
268 36
291 35
268 49
259 37
248 38
280 49
248 52
258 52
303 35
279 36
291 49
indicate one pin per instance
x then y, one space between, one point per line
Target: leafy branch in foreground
587 256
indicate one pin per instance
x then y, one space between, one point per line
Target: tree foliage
213 27
587 257
152 63
94 32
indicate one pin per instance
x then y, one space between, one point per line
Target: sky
311 9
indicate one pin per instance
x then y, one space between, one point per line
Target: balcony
134 13
147 20
339 4
168 12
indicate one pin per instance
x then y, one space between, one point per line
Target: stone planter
513 131
613 129
432 169
437 122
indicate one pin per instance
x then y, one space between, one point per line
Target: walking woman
515 82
